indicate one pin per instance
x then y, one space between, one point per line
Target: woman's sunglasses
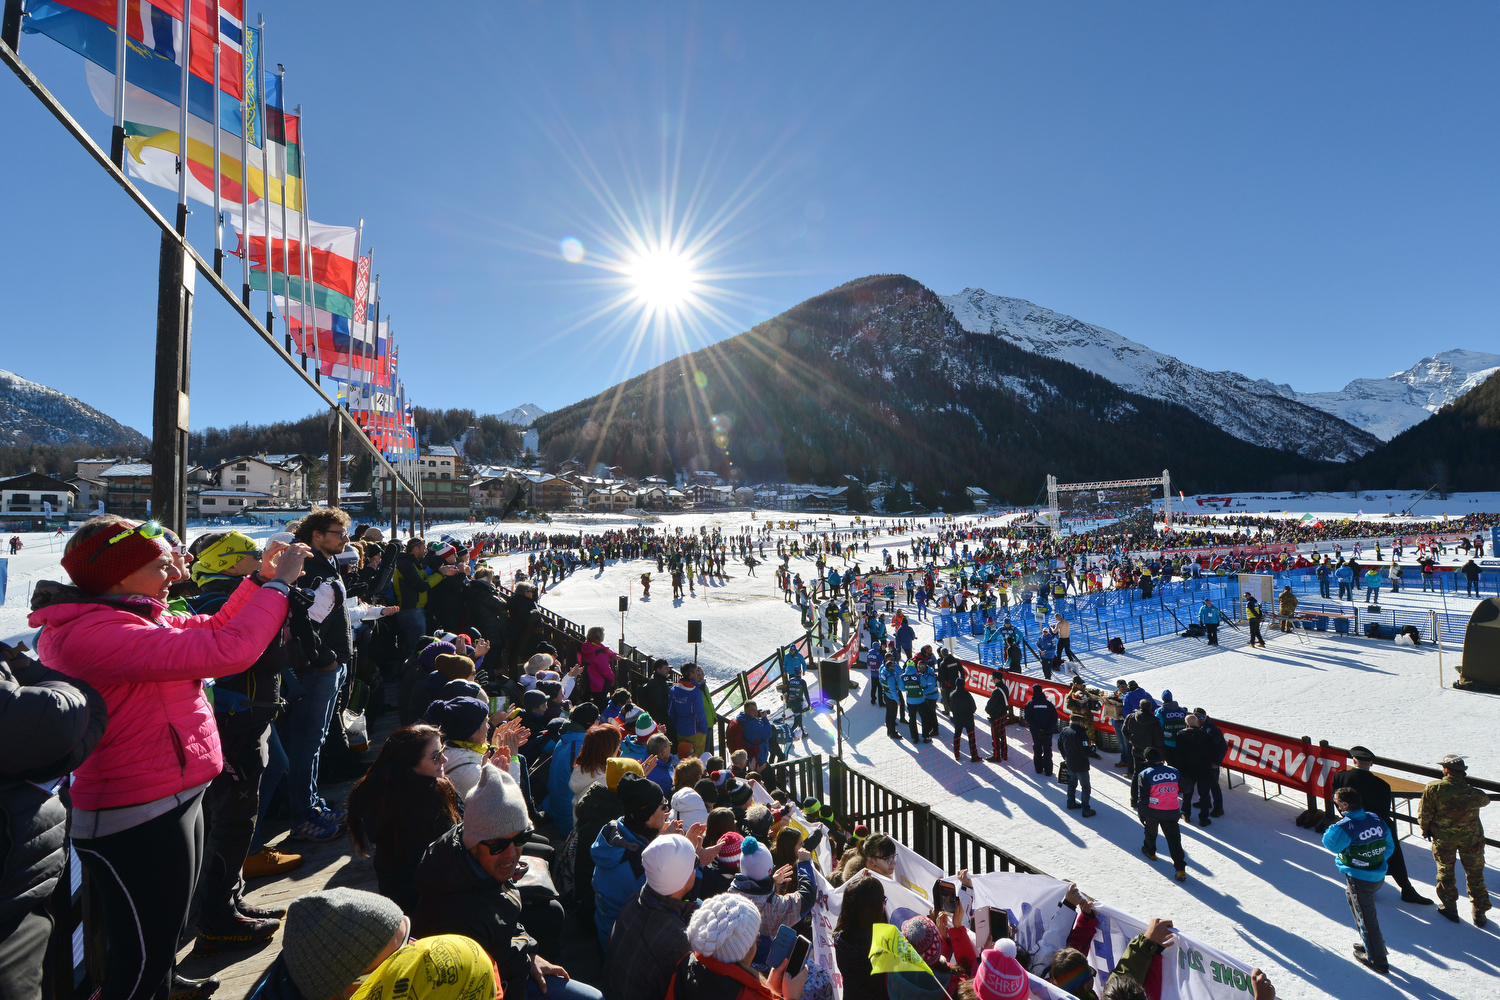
501 844
151 529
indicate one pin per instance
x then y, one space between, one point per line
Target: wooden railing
858 798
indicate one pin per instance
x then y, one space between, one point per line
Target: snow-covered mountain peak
1387 406
34 413
522 415
1252 411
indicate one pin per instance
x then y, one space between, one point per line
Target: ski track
1259 887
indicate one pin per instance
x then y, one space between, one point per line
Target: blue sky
1301 192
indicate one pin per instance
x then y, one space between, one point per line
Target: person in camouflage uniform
1449 817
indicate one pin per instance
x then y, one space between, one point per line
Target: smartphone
799 955
781 946
999 923
945 897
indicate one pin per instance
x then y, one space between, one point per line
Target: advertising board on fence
1285 760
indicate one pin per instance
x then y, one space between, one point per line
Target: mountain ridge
877 377
32 414
1250 410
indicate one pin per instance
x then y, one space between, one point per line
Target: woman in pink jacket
137 820
599 667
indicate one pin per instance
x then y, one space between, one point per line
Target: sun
663 279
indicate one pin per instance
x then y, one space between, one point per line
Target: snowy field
1259 887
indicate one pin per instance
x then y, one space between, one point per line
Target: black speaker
624 604
695 631
833 675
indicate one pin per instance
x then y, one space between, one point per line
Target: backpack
1116 644
734 736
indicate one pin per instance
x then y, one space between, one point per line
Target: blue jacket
793 663
905 636
559 796
662 775
834 580
893 682
618 874
1133 699
685 709
1361 845
633 749
1046 645
1208 614
1343 574
1173 719
757 733
874 658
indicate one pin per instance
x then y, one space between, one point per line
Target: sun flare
663 279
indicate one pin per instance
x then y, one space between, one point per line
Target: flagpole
218 151
117 136
359 237
286 246
247 119
265 185
182 119
309 285
301 248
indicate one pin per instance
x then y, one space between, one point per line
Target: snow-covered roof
121 471
442 451
232 493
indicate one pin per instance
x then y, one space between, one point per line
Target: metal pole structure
249 108
1166 496
169 424
265 183
201 267
182 118
335 456
1437 635
117 135
218 165
10 26
286 243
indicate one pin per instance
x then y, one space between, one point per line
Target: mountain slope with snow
32 413
1387 406
1251 411
522 415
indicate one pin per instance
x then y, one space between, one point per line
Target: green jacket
1449 813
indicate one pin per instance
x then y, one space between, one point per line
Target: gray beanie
332 937
494 808
725 927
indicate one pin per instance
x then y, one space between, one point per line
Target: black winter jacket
49 723
1075 747
1142 730
487 611
456 898
332 638
1041 718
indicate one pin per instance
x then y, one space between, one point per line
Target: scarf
444 967
479 748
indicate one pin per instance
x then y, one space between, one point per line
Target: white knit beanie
669 862
494 808
725 927
688 807
756 860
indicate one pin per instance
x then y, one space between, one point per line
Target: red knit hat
110 555
1000 976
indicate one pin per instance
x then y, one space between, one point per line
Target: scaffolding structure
1054 488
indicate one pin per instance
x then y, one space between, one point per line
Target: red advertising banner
1288 761
1306 767
981 681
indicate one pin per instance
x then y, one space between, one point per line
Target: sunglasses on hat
501 844
150 529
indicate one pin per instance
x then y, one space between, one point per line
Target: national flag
152 63
891 952
157 25
333 268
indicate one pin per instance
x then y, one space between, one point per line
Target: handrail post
921 816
